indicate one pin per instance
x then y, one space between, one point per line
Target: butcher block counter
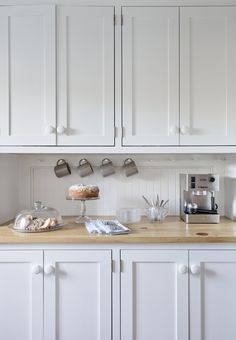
172 230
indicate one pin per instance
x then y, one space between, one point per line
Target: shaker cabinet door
208 76
21 295
154 295
77 295
27 75
85 76
150 68
212 295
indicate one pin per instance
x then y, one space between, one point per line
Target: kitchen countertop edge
172 230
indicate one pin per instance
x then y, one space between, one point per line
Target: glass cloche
38 219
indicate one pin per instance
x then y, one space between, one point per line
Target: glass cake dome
39 218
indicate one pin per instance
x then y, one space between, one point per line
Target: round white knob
195 269
49 269
184 130
49 129
36 269
60 129
183 269
174 130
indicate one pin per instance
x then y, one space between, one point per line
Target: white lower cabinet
212 295
21 295
154 295
66 297
77 295
62 294
156 299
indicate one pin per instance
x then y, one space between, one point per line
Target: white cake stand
82 217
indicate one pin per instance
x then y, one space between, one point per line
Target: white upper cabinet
150 61
85 76
208 75
27 69
177 86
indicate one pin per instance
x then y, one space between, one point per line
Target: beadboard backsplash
157 174
8 187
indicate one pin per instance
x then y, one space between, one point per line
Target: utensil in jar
155 203
165 203
146 200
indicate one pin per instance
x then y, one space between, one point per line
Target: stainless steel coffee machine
197 198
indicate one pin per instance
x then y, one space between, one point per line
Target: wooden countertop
172 230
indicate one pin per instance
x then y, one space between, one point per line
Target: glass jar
155 214
39 218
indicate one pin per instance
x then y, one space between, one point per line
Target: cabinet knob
195 269
184 130
49 129
174 130
49 269
60 129
182 269
36 269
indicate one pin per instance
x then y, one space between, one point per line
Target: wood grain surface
172 230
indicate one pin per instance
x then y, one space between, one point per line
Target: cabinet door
213 295
85 75
27 81
150 37
21 295
208 75
77 296
154 295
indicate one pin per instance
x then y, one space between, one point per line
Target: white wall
26 178
8 187
157 174
230 187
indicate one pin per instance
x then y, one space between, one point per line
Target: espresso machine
197 198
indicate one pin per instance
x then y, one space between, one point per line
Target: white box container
230 198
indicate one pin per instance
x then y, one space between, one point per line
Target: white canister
128 215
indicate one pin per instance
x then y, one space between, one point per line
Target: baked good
31 223
82 191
